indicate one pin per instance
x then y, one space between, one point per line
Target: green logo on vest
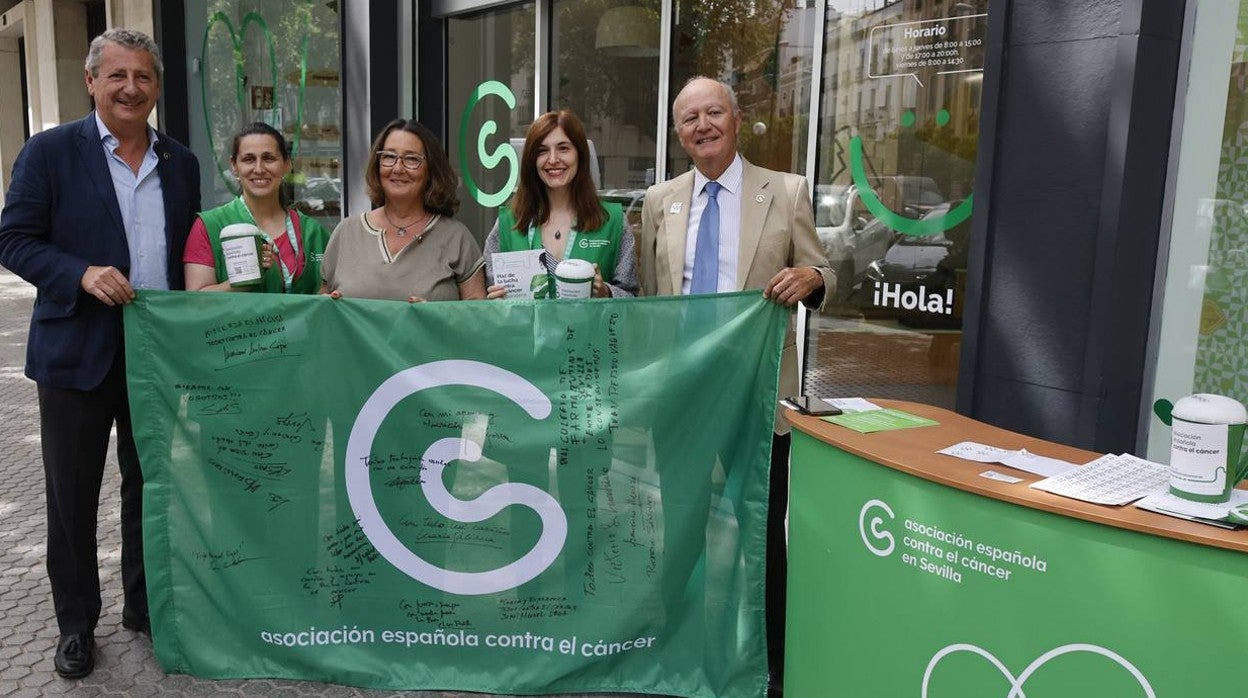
489 158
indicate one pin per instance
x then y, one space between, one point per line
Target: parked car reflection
850 238
631 201
911 195
935 264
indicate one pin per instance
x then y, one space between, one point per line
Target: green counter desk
912 575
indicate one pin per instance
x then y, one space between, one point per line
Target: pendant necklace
559 230
401 230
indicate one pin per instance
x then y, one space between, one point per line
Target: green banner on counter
903 587
505 497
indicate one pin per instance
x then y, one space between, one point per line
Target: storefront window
894 144
605 67
897 140
1203 336
764 50
273 61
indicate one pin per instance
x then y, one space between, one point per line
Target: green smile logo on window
921 227
489 158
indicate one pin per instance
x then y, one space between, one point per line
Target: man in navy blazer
96 208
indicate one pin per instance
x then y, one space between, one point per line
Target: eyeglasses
390 159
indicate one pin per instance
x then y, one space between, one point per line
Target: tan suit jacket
777 231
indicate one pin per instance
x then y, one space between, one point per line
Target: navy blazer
61 216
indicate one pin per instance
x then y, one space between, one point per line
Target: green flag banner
508 497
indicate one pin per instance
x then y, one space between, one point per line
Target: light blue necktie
706 251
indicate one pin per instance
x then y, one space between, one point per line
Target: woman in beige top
408 246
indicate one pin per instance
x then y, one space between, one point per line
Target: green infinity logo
922 227
489 158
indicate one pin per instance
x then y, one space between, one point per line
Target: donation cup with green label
240 246
1207 432
574 278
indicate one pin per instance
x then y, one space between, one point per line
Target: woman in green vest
556 209
260 160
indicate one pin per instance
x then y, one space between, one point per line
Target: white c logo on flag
434 461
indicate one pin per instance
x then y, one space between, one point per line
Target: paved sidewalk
125 665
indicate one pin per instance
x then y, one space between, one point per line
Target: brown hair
259 128
531 204
441 182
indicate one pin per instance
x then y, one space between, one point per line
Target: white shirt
142 202
729 199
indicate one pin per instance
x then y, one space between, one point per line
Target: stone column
12 115
69 32
133 14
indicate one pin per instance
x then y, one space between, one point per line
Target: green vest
600 247
312 237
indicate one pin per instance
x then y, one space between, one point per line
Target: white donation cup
240 246
574 278
1205 441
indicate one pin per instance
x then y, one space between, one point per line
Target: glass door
490 84
897 139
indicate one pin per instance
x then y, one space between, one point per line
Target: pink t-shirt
199 249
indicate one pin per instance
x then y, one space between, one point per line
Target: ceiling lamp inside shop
628 32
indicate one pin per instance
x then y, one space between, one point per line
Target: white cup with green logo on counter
1207 434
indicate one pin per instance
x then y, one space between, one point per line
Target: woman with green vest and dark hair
556 208
260 160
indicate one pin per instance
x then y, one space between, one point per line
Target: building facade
1033 207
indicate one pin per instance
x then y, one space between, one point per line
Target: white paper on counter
1001 477
1040 465
1166 503
851 404
1110 479
1020 459
980 453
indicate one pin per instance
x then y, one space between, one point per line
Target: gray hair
732 94
126 38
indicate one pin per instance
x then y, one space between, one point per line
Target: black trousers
74 426
777 555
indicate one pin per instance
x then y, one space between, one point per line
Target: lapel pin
760 198
166 156
675 208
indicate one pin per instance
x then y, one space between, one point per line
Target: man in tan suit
764 239
775 247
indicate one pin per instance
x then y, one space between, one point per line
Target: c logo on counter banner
876 535
507 497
